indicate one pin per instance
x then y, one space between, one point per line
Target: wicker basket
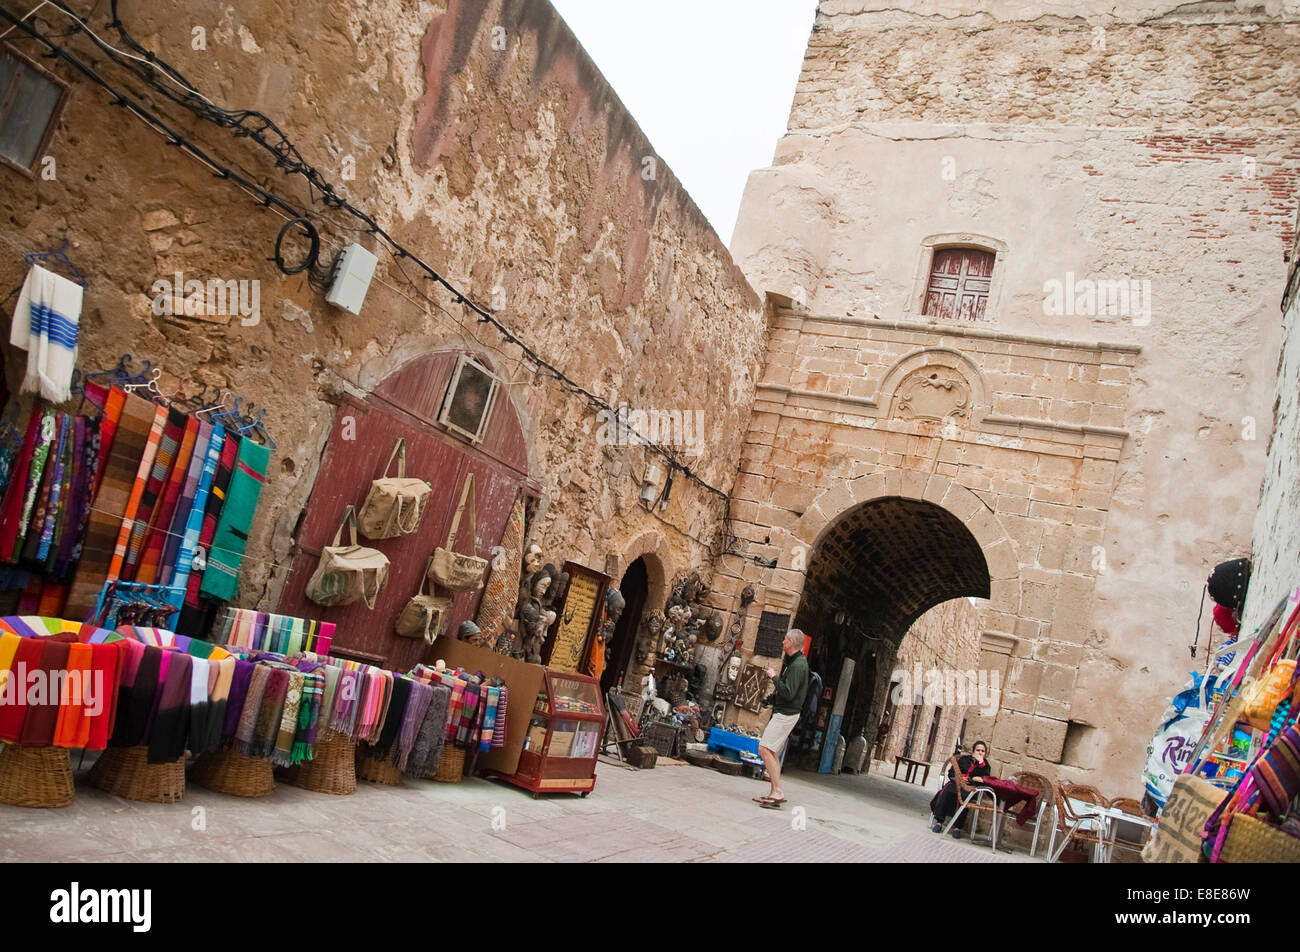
126 772
332 768
233 772
451 766
1251 840
35 776
665 738
376 769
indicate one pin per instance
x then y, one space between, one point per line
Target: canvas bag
395 504
450 569
425 615
348 573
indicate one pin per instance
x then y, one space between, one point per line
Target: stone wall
1276 543
480 135
1136 142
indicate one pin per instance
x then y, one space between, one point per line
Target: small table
1004 795
909 775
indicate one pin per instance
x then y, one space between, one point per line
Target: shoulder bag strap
349 520
467 492
399 454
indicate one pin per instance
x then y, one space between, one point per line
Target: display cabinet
563 739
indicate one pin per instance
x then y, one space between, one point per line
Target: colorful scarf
72 729
35 480
194 614
43 702
45 324
427 749
221 579
393 720
416 708
282 755
12 508
168 444
40 533
174 704
155 539
174 531
239 689
499 735
194 517
304 739
138 485
110 505
489 718
87 475
135 705
252 706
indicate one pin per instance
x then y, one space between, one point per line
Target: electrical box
352 274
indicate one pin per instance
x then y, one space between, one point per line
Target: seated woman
962 771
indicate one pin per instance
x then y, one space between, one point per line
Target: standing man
788 690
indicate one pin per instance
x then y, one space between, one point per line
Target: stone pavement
673 813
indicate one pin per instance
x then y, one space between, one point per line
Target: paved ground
674 813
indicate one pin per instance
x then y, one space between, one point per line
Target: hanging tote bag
395 504
348 573
450 569
425 615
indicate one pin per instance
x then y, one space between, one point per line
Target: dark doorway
633 587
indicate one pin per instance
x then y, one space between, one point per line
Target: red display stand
564 732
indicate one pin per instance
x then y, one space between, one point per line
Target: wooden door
359 445
959 284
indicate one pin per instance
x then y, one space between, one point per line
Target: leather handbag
451 569
348 573
395 505
425 615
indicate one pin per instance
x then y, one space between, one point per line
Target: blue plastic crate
726 740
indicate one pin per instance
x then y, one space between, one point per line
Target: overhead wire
289 160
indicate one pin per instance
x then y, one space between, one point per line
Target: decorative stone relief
935 392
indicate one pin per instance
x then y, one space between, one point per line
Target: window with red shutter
959 284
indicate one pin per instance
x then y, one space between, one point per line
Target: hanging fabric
221 578
45 324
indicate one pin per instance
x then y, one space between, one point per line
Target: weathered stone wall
1276 542
481 135
1133 142
946 639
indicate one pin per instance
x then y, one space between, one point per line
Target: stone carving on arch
936 384
827 509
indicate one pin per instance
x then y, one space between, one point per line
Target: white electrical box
352 274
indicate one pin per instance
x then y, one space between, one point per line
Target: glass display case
563 739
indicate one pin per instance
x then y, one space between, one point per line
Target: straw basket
332 768
35 776
126 772
376 769
1251 840
451 766
233 772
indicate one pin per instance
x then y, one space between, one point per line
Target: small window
30 101
468 404
958 289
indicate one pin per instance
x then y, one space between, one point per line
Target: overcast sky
709 81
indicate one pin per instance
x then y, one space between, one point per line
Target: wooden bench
912 767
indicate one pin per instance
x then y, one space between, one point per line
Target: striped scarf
489 718
221 579
174 423
192 615
142 474
155 539
194 518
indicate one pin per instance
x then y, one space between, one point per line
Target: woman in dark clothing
962 770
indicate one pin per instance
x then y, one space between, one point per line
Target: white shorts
777 732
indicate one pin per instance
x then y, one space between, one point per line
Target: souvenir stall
1232 798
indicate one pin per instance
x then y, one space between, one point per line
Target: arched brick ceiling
889 561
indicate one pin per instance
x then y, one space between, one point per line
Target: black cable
313 252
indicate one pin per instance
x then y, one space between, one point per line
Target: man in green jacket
788 690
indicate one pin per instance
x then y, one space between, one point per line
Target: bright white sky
710 82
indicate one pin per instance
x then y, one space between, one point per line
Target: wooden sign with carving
576 618
751 688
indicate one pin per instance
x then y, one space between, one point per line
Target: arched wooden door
405 405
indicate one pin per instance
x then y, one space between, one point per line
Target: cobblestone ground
673 813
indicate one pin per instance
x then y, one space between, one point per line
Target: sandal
771 804
762 799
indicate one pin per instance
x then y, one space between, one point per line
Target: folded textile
489 718
252 706
135 704
416 707
269 714
427 749
282 755
221 578
239 682
45 324
43 694
72 728
200 702
393 720
304 738
13 713
172 721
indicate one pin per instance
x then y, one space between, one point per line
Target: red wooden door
358 447
959 284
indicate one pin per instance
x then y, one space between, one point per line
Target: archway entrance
873 572
634 587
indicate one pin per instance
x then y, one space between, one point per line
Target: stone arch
651 546
996 545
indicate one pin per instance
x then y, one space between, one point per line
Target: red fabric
41 719
1223 618
26 658
11 510
1009 794
104 661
